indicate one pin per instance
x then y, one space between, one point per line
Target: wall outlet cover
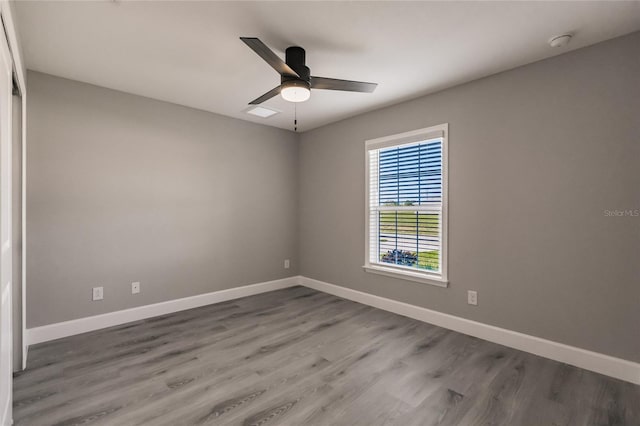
472 297
135 288
98 293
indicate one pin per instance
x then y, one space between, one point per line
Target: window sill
407 275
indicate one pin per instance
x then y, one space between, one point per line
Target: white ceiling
189 52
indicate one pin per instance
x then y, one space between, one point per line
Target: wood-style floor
300 357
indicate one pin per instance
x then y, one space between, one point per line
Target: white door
5 232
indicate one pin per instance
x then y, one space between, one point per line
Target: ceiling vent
261 111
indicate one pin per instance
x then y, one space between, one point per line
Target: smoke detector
560 40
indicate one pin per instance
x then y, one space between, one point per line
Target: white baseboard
83 325
25 349
593 361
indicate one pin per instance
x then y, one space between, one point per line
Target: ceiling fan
296 80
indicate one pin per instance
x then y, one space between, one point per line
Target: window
407 205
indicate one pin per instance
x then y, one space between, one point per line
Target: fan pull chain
295 117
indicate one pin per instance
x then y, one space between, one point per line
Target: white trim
83 325
6 226
444 220
433 132
396 272
25 346
593 361
7 10
6 419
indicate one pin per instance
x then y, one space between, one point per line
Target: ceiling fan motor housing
295 58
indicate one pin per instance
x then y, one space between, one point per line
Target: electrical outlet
287 264
135 288
472 297
98 293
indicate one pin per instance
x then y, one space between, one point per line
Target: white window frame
438 279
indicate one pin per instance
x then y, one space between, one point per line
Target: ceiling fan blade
269 56
346 85
270 94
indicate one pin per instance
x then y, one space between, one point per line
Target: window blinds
405 203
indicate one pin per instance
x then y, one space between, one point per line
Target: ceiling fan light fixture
295 91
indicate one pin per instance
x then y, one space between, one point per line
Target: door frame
6 230
7 14
11 51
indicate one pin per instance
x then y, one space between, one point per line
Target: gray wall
123 188
537 154
16 217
